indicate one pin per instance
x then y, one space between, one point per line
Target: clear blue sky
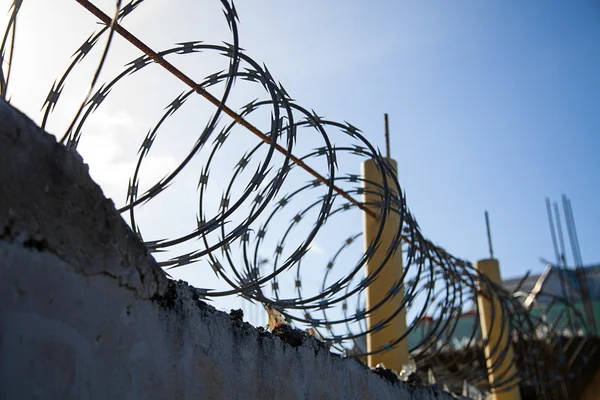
493 105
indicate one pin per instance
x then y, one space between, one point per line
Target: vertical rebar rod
580 272
569 230
387 136
489 234
561 240
565 287
565 281
552 232
576 247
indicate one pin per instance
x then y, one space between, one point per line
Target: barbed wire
247 218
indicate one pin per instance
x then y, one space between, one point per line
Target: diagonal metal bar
201 91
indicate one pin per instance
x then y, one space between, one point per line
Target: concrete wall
86 313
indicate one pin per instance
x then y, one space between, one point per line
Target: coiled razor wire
441 291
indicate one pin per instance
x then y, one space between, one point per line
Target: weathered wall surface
86 313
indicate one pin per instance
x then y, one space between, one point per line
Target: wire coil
268 207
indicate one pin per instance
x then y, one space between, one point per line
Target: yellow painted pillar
494 327
391 273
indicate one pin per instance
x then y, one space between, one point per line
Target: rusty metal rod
387 136
201 91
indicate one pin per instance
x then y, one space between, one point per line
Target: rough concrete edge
49 201
126 259
181 297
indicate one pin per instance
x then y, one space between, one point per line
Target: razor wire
440 290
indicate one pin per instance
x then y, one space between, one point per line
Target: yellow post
494 328
397 357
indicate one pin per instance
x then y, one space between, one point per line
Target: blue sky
493 105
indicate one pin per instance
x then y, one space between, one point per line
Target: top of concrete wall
47 192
